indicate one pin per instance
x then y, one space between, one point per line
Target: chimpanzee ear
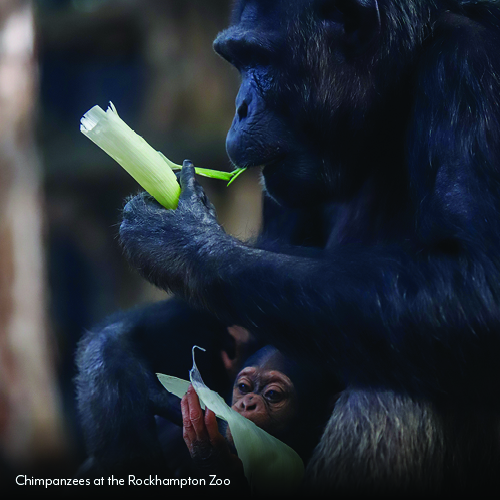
360 20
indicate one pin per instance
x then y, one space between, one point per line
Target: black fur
378 123
118 392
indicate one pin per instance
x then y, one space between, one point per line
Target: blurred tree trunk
29 417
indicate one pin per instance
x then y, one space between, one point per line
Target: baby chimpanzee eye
244 387
273 395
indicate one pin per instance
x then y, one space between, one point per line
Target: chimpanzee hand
205 443
169 247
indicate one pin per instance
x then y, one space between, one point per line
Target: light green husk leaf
177 386
138 158
268 463
133 153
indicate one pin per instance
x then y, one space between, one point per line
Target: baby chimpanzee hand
205 443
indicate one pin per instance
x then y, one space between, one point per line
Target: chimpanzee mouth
266 163
272 162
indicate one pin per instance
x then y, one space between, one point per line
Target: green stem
207 172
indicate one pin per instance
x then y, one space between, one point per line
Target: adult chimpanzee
377 126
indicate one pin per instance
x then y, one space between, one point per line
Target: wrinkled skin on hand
207 447
171 247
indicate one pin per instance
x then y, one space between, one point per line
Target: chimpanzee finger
190 185
214 434
140 202
188 432
196 415
187 179
188 182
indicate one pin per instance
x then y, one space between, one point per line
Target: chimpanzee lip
272 162
267 163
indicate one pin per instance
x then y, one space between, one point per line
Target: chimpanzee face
266 397
301 94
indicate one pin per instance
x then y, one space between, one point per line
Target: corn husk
150 168
269 464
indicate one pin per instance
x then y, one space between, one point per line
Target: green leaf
132 152
269 465
138 158
235 174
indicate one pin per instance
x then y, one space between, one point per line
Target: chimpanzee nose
242 110
248 403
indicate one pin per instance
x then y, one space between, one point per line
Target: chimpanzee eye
273 395
243 387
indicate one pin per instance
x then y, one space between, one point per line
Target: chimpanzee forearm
379 304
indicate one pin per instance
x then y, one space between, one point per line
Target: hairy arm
365 307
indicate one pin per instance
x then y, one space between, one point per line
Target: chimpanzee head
264 391
310 110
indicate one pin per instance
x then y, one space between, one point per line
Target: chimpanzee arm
117 390
294 230
364 307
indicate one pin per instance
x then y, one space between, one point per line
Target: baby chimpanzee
269 391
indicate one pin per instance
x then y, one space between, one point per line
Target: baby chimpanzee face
266 397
